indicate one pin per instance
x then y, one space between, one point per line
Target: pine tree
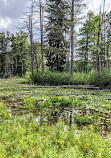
56 34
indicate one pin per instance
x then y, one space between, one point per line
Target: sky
11 12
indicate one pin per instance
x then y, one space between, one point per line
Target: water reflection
100 120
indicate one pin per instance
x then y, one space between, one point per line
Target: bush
6 76
93 78
2 74
64 78
28 77
79 79
38 78
52 78
57 78
105 78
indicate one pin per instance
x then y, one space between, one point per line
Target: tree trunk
86 55
36 61
98 68
107 61
41 30
31 48
72 38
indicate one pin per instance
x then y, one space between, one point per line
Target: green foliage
104 80
78 103
80 119
28 77
29 103
21 137
2 75
93 78
52 78
56 29
13 54
56 78
4 114
83 120
57 102
79 79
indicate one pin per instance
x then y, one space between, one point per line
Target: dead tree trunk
41 30
104 33
72 38
35 56
98 50
31 48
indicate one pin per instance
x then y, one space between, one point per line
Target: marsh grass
21 137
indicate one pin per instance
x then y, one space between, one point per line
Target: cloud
94 5
108 6
5 22
5 1
12 10
10 13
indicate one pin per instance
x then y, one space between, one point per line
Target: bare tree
98 62
41 32
72 37
31 48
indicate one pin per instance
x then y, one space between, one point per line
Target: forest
55 82
69 41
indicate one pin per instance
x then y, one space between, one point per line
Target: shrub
38 78
52 78
78 79
57 78
64 78
93 78
4 75
105 78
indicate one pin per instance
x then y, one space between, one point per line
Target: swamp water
81 116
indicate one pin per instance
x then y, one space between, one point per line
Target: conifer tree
56 30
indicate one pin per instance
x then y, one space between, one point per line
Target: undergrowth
23 137
64 78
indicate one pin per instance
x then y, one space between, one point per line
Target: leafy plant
29 103
80 119
22 137
56 102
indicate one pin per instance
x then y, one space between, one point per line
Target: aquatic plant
80 119
56 102
29 103
22 137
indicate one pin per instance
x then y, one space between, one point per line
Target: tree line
61 46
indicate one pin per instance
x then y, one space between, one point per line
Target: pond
81 116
